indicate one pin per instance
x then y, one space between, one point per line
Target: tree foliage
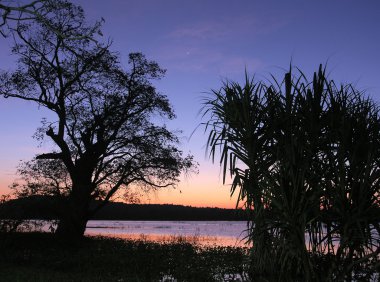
11 12
304 158
105 132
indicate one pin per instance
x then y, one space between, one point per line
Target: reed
44 257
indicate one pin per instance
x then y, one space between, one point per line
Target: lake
221 233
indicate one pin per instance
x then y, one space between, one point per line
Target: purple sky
200 43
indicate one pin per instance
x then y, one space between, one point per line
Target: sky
202 43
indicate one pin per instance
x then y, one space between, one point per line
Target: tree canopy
105 133
14 12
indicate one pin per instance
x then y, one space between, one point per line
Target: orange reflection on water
200 240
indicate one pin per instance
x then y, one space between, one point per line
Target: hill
38 207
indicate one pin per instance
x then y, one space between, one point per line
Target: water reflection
220 233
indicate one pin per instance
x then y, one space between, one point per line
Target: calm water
226 233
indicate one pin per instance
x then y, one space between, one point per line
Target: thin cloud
205 30
206 60
230 27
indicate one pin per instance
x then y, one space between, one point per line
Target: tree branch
50 156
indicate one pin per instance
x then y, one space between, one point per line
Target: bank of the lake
44 257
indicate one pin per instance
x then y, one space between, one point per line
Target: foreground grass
42 257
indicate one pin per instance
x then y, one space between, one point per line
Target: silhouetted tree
105 134
41 10
43 177
46 177
11 12
304 158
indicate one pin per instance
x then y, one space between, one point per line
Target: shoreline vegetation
43 207
43 257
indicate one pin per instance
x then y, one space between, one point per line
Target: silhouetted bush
304 157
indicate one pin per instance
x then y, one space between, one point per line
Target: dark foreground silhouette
43 257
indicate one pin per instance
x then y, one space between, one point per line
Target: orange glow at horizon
195 196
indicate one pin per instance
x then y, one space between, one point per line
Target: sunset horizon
200 46
166 140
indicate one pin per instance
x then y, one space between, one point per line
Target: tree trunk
72 225
74 216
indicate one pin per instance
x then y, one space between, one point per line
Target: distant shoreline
45 208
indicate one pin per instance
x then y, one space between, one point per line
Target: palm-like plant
352 207
239 128
304 159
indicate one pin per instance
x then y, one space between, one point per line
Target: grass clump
42 257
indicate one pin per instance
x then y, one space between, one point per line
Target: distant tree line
42 207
